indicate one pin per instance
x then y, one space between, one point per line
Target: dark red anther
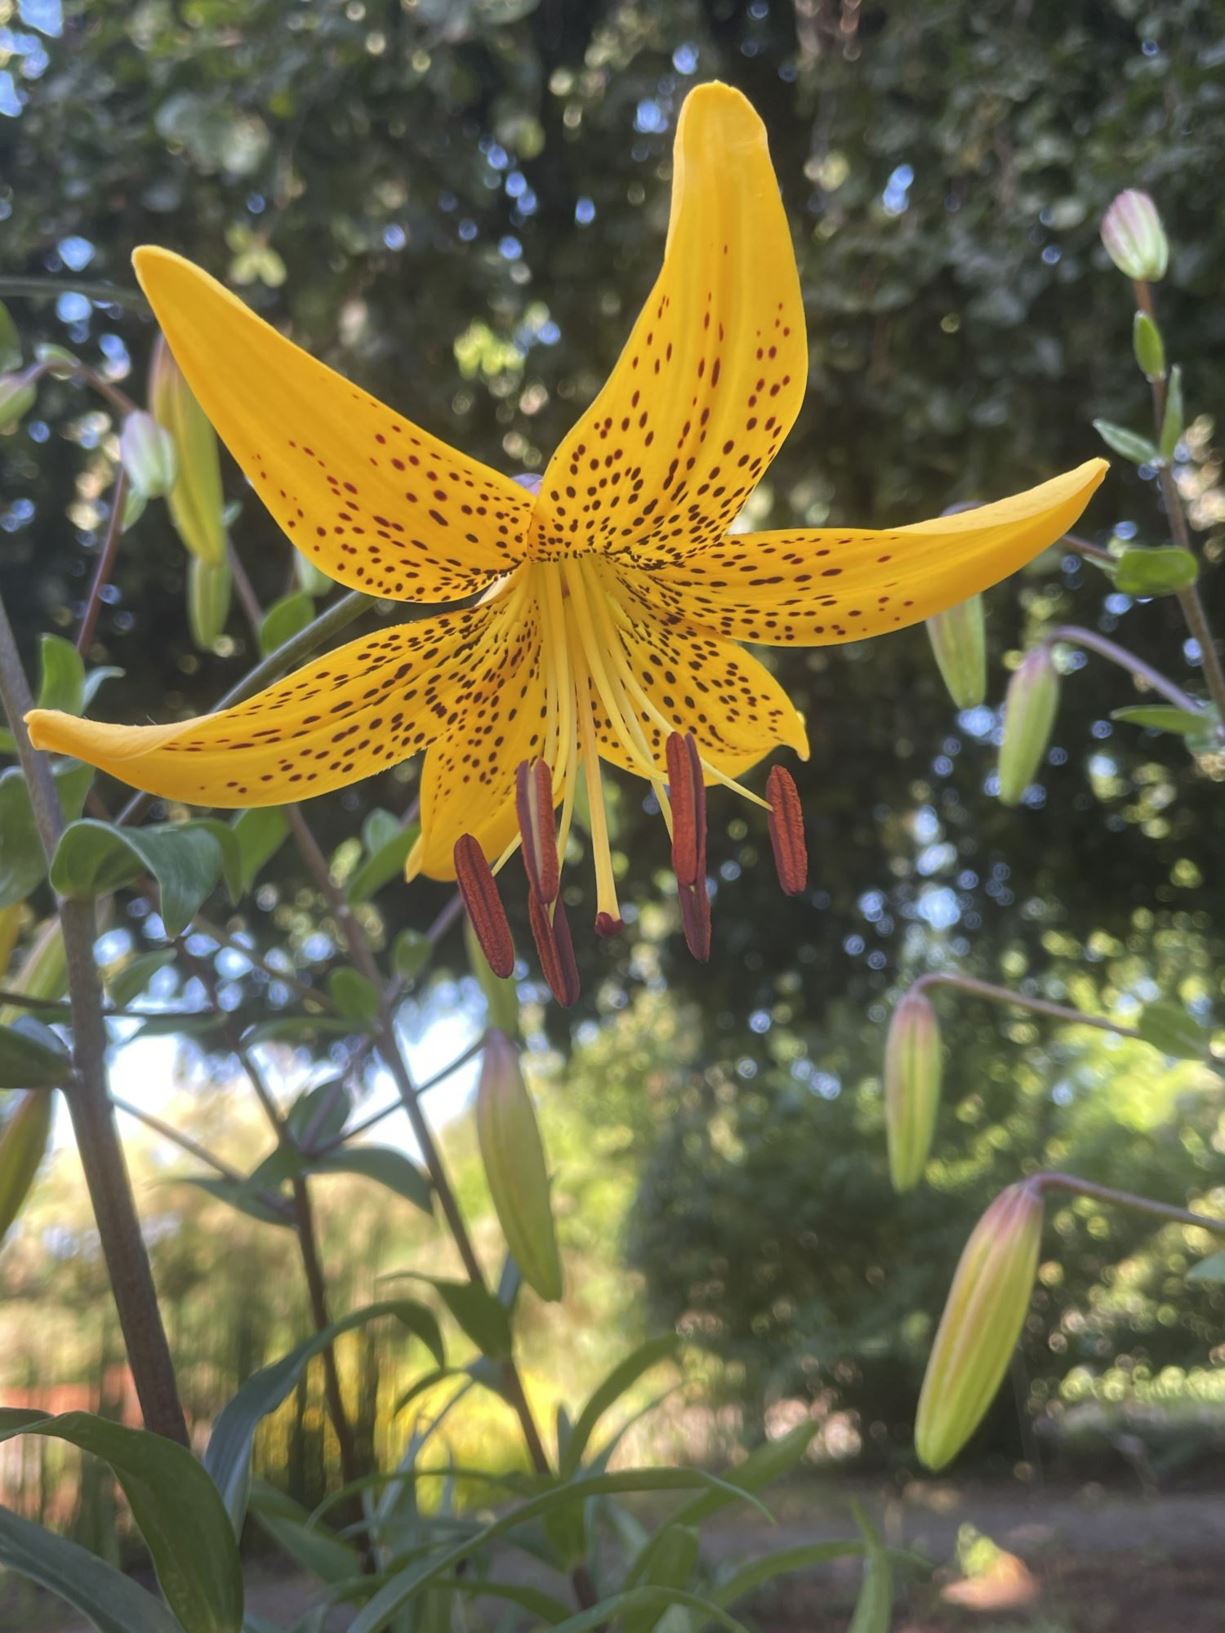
695 919
687 792
607 926
538 828
786 823
479 890
554 949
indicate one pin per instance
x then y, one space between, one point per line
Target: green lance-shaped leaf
10 341
43 972
23 862
1134 238
208 600
1165 717
196 501
874 1607
1148 346
1155 572
912 1088
1174 418
673 1563
1029 718
228 1458
1127 444
111 1600
23 1144
96 857
355 996
383 1165
175 1506
982 1320
410 953
315 1549
284 619
387 843
32 1057
516 1167
1168 1027
959 641
62 681
623 1377
127 978
1210 1269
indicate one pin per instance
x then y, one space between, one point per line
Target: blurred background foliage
461 203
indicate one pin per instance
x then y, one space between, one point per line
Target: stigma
597 709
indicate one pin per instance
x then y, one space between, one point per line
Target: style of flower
612 595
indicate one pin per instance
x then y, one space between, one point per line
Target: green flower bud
982 1320
23 1144
196 501
148 455
912 1088
1148 346
17 398
959 640
208 600
1029 717
1134 237
515 1166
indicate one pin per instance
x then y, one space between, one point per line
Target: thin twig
52 288
376 1117
106 562
1005 995
1127 1199
1074 635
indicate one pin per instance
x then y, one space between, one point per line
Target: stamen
786 824
480 896
688 795
695 919
538 828
551 933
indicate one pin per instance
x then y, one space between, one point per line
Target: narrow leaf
23 863
1168 1027
32 1057
622 1377
94 858
63 676
284 619
111 1600
383 864
1165 717
1155 572
383 1165
1139 450
1210 1269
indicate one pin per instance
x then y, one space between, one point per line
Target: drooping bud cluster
982 1320
1134 237
1029 718
912 1088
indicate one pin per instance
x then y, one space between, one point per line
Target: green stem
106 563
88 1097
1074 635
1005 995
1127 1199
53 288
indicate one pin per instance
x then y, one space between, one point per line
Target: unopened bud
195 501
1134 237
982 1320
1029 718
148 455
23 1144
208 600
17 397
515 1166
959 642
1148 346
912 1088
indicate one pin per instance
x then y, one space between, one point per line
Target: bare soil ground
1066 1559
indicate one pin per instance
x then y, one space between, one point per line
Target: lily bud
208 600
16 399
148 455
912 1088
23 1145
982 1320
1134 237
516 1168
1029 718
959 641
195 501
1148 346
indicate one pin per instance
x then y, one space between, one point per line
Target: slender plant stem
350 1134
1018 1000
1095 552
1127 1199
193 1147
224 938
88 1097
1074 635
53 288
106 562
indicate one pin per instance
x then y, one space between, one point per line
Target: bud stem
106 563
1074 635
1126 1199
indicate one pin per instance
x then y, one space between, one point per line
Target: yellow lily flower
612 596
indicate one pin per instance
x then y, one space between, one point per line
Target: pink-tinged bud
982 1320
912 1088
687 794
23 1144
538 828
148 455
786 825
516 1167
554 948
1029 719
479 890
959 641
196 502
17 397
1134 237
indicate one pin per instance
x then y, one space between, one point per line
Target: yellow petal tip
717 113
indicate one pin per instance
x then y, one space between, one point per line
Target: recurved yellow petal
821 586
713 374
372 499
363 708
